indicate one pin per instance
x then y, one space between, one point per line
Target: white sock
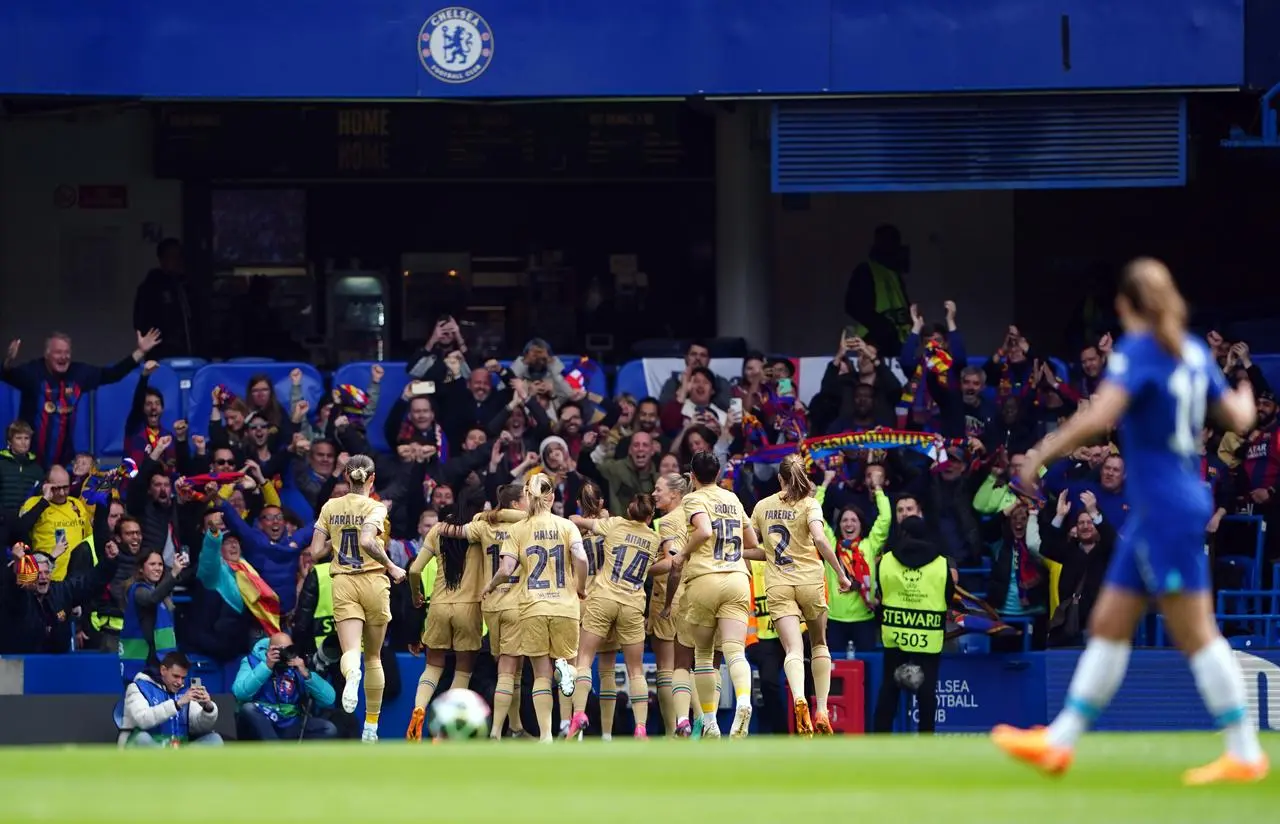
708 718
1221 684
1097 677
371 726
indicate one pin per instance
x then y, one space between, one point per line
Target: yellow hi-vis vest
914 605
891 300
759 625
428 576
324 603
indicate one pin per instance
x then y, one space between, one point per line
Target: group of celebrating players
558 598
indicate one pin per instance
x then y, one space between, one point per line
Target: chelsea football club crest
455 45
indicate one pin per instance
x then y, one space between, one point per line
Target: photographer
272 687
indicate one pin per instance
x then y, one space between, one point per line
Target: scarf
410 435
938 361
1028 575
258 596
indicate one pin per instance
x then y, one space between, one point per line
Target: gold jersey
489 537
671 527
789 548
722 552
473 575
630 548
543 547
341 519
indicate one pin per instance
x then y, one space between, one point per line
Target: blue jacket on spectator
276 561
278 696
215 576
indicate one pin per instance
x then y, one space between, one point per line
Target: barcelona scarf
258 596
857 568
101 487
938 361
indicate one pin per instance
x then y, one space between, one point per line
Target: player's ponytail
508 496
540 492
641 508
1150 290
705 467
453 551
590 500
795 482
359 472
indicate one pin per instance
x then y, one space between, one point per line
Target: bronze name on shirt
636 540
346 520
546 535
725 509
780 515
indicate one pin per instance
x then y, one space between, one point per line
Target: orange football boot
1228 770
804 725
1032 747
414 732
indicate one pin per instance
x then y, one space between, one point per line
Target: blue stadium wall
69 698
373 49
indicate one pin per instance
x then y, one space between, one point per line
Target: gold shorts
552 636
716 596
663 629
364 596
684 630
504 631
453 626
613 621
808 601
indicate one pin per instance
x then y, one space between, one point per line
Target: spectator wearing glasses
54 517
270 549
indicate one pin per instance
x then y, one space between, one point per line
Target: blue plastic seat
1247 642
631 380
186 369
113 402
974 644
394 380
235 376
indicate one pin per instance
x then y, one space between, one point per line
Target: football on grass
459 714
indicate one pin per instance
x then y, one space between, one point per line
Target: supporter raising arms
49 389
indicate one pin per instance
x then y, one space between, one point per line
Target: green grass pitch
900 780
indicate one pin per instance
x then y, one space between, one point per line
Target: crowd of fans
187 546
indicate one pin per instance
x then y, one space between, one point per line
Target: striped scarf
408 434
857 568
258 596
938 361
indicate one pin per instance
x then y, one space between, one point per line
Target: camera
287 654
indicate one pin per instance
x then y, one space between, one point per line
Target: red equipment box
845 704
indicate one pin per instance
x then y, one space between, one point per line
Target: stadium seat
631 380
186 369
113 402
394 381
1247 642
1253 563
249 359
8 403
974 644
235 376
596 381
293 500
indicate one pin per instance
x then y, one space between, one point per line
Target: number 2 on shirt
780 534
349 548
1188 387
728 546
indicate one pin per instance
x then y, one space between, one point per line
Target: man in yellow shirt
55 517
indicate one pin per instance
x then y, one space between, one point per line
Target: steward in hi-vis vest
915 588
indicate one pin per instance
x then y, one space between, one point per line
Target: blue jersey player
1159 387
